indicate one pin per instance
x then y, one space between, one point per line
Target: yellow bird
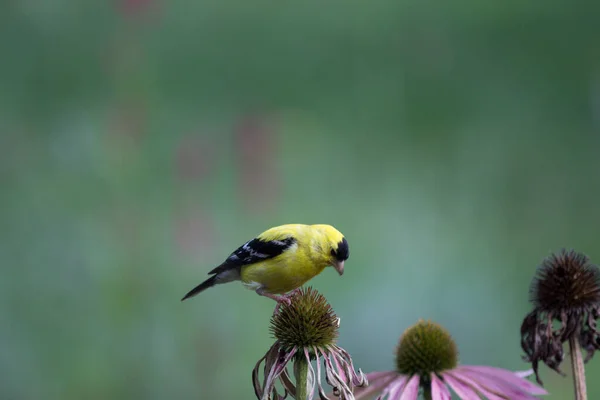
280 260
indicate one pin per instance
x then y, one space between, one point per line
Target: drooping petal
341 370
276 370
346 386
311 381
464 391
272 357
332 376
439 391
345 368
258 389
359 379
481 390
287 383
411 390
400 381
493 384
276 396
322 394
508 377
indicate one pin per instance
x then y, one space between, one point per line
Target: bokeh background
455 144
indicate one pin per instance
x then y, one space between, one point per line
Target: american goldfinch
281 259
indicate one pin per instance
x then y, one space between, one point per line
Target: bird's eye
333 253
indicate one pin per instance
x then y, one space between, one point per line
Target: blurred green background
455 144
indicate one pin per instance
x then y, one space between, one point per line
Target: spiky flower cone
306 330
566 289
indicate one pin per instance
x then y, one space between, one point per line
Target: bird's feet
281 299
285 298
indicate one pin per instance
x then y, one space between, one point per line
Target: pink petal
373 376
311 374
439 391
523 374
494 384
382 380
343 386
395 389
399 381
490 395
508 377
464 391
318 363
341 372
411 390
358 378
277 368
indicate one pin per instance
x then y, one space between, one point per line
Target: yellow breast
286 272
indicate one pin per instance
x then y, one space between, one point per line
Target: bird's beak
339 267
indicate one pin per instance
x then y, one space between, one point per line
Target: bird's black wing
254 251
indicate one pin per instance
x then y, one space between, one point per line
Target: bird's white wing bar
257 250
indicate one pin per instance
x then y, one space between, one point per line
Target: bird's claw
283 299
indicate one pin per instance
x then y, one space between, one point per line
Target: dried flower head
427 360
307 321
566 289
306 330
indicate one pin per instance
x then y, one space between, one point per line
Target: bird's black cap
343 251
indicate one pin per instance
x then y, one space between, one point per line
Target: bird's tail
210 282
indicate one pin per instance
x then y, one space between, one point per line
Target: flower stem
301 373
427 392
578 370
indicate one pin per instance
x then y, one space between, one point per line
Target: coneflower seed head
426 348
309 321
566 282
565 293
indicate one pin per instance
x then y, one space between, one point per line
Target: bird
280 260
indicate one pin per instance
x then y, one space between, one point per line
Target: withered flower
306 330
566 289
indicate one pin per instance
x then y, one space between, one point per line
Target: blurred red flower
194 158
256 149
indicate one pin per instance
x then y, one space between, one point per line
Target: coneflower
566 289
306 330
427 362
